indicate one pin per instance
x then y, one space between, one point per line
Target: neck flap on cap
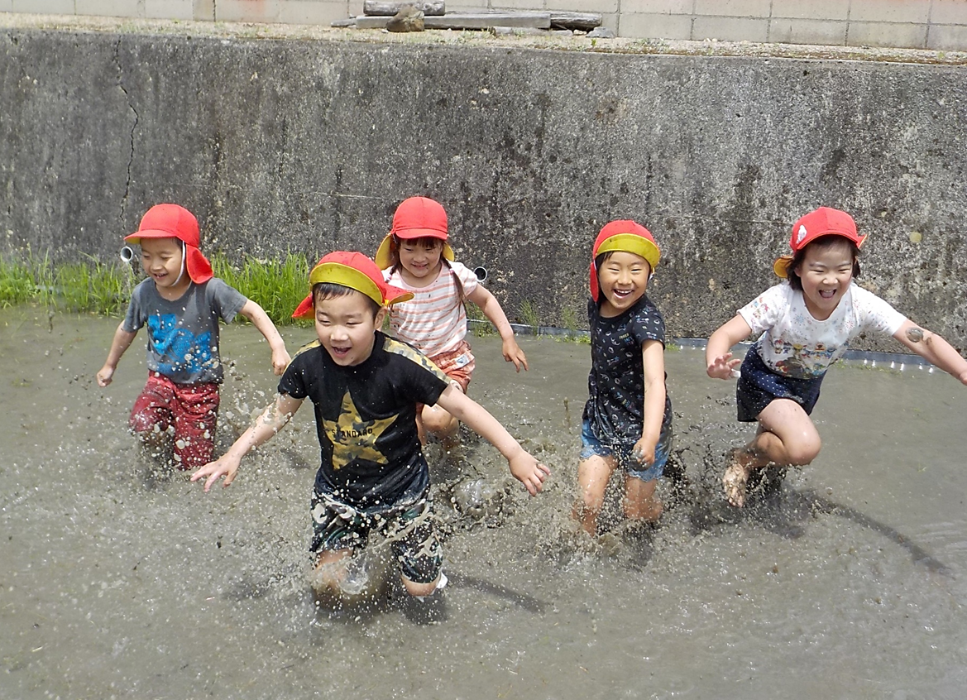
174 221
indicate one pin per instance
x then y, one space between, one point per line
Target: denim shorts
591 446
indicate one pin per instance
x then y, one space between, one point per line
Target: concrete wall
309 145
931 24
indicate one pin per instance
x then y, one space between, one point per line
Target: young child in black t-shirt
365 388
627 418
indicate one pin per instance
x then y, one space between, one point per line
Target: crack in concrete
134 126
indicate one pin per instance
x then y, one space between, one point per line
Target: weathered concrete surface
308 146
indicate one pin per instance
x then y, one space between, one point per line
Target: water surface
847 581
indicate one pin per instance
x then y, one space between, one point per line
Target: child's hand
513 353
644 452
223 466
528 471
723 367
280 360
105 375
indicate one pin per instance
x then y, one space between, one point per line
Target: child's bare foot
736 478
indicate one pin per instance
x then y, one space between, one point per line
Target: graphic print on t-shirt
180 350
353 438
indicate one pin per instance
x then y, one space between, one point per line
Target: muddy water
847 580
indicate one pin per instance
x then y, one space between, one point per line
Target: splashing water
844 578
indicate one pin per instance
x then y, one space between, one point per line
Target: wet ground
847 580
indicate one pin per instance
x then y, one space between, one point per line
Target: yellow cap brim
631 243
337 273
781 266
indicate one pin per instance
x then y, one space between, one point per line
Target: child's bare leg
641 500
420 589
330 571
786 437
441 423
593 476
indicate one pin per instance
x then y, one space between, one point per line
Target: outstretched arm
272 420
122 341
718 356
933 348
491 309
256 314
523 466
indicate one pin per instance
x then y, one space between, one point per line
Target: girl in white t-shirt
804 326
415 256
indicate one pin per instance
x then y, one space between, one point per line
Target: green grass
92 286
528 315
17 284
278 286
479 330
87 285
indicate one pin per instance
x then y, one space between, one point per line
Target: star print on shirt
353 438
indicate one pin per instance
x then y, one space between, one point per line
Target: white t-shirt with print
795 344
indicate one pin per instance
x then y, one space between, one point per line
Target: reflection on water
845 579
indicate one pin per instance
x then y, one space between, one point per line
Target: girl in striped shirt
415 256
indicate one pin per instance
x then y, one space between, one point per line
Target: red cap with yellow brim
415 217
353 270
627 236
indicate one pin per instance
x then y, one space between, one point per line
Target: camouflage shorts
411 533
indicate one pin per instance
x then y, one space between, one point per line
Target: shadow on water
783 510
521 600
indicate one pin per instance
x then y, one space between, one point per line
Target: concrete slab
947 37
663 26
909 11
755 9
819 10
730 29
806 31
887 34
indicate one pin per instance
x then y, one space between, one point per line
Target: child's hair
602 259
329 290
427 242
823 242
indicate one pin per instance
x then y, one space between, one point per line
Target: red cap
416 217
174 221
353 270
627 236
821 222
419 217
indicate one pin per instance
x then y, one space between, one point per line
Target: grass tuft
87 285
278 286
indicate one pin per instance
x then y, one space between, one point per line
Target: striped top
434 321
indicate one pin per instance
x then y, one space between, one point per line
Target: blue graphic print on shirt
180 349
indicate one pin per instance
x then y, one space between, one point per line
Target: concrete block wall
919 24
